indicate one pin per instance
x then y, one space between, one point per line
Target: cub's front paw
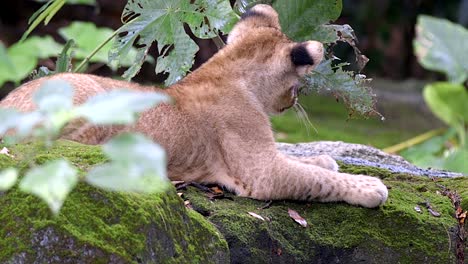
367 191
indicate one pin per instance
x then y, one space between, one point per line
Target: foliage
147 21
131 168
48 11
353 89
20 59
441 45
303 20
163 21
137 164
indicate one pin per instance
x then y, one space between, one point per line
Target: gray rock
362 155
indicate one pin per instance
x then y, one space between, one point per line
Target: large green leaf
118 106
137 165
51 182
21 58
7 67
441 45
448 101
209 17
300 19
164 21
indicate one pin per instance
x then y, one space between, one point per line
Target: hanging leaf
353 90
440 45
52 182
118 106
147 21
137 165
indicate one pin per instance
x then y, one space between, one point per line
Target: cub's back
85 86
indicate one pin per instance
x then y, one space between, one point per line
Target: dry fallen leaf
433 212
180 194
418 209
256 216
6 151
463 218
216 190
294 215
188 204
177 182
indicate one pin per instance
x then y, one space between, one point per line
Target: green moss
395 232
110 225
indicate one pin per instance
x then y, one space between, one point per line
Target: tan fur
218 130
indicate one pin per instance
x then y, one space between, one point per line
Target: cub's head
271 65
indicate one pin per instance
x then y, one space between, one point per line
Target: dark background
385 29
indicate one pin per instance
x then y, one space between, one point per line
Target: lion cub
218 130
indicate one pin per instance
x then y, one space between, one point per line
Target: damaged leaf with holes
163 21
353 90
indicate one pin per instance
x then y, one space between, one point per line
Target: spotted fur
218 130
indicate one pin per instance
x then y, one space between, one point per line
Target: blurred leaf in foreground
51 182
118 106
137 165
8 178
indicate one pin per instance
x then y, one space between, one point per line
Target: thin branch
414 141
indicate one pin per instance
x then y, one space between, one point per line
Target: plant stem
218 42
414 141
86 60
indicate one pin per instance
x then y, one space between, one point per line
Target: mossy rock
97 226
340 233
107 227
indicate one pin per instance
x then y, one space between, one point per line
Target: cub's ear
306 56
258 16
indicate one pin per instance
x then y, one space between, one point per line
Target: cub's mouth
291 97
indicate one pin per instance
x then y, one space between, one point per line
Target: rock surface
362 155
96 226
